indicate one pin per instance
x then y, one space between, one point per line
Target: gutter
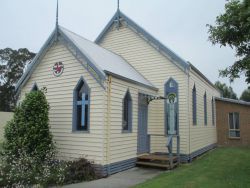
131 81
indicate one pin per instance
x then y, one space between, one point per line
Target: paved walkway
123 179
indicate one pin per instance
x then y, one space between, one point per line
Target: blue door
143 141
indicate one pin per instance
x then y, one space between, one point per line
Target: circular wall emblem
58 69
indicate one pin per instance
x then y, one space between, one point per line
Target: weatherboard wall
121 145
156 68
201 135
60 97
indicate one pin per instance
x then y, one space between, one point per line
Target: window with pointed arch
194 106
127 113
205 108
81 106
34 87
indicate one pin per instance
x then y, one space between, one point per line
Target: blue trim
203 76
185 158
157 44
168 90
205 108
34 87
213 119
130 114
194 95
102 170
79 52
82 103
50 41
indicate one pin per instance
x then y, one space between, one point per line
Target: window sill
234 138
126 131
80 132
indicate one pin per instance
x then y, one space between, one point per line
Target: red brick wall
222 110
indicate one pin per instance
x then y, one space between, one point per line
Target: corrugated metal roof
105 60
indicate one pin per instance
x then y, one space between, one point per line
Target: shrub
29 154
26 171
29 129
79 170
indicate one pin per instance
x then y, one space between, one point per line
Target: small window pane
171 84
126 113
86 116
79 116
231 122
234 133
236 120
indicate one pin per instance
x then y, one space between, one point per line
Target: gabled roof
101 60
170 54
176 59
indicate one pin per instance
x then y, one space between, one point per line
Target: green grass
220 168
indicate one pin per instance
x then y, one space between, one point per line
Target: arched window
205 108
171 107
34 87
81 104
127 113
194 106
212 101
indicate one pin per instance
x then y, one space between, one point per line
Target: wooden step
151 164
156 157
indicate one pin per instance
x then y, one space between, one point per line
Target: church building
123 96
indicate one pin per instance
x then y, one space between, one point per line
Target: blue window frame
212 101
171 107
81 106
127 113
194 106
205 108
34 87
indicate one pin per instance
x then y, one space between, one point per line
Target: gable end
174 58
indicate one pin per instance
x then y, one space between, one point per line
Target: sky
180 25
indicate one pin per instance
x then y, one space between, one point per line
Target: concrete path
123 179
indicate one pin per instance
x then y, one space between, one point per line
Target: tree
245 96
12 64
227 92
233 29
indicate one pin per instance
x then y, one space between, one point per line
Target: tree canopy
226 91
233 29
12 64
245 96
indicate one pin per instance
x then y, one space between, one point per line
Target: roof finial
118 4
57 14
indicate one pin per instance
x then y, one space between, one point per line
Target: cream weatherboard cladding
146 69
200 134
157 69
122 145
60 97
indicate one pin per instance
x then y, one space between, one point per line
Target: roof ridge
177 59
108 51
156 39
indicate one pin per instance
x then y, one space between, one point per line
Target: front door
143 142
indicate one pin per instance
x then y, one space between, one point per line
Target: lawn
222 167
